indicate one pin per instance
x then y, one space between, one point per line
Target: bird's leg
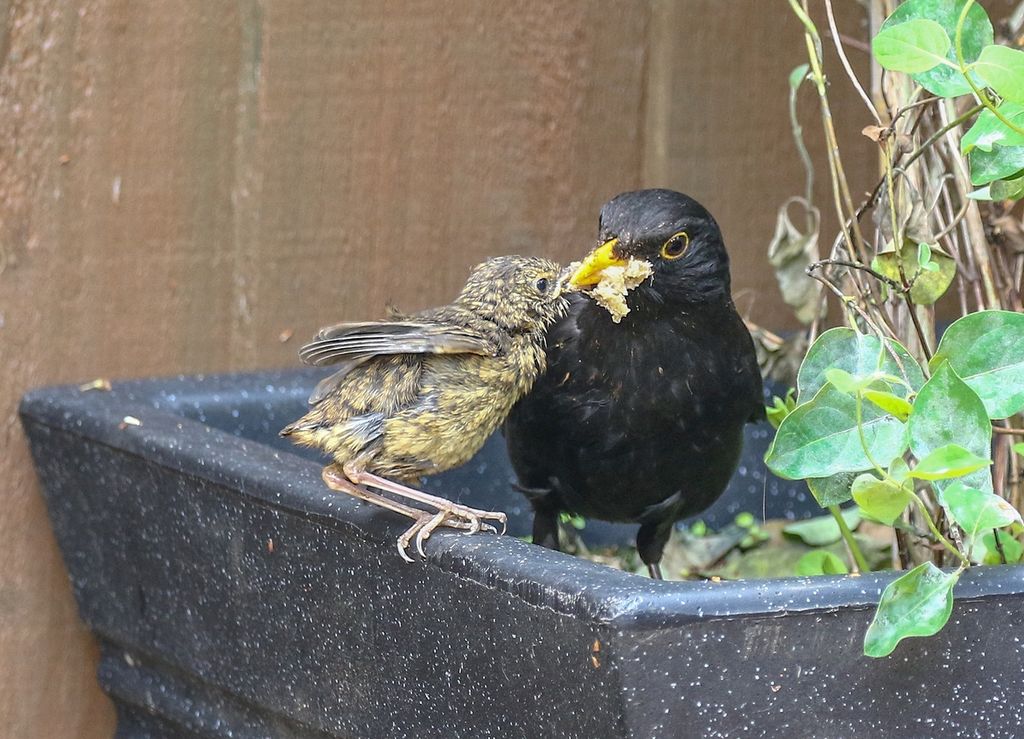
650 545
336 480
455 510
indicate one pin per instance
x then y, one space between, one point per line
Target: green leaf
898 469
944 80
569 519
916 604
989 131
858 354
780 408
820 438
882 500
975 510
927 285
999 163
798 75
947 411
914 46
1019 448
982 193
843 381
948 461
823 530
745 520
1007 189
986 349
1002 68
890 403
834 490
820 562
986 550
776 411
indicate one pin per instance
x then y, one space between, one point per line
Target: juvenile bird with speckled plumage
421 394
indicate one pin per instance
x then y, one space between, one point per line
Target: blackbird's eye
676 246
542 285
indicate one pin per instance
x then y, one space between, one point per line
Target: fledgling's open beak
589 272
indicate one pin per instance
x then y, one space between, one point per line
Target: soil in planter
745 549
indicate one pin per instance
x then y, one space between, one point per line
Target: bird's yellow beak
589 272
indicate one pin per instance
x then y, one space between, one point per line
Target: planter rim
538 576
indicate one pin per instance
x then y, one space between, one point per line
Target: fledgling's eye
542 285
676 246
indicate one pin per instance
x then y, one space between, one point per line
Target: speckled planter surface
233 595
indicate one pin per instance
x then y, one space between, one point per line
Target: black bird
642 420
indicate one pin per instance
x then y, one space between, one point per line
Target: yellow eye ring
676 246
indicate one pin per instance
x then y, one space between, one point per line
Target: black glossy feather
643 420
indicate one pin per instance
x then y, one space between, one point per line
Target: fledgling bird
419 395
642 420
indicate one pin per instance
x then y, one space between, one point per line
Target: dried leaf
910 214
790 253
873 132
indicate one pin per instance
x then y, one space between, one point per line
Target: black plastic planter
235 596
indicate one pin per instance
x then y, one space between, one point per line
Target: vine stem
860 561
854 265
938 534
840 190
938 135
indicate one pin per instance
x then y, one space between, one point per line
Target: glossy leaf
947 462
858 354
927 285
1002 68
820 437
890 403
823 530
820 562
986 349
882 500
834 490
998 164
914 46
944 80
917 604
975 511
947 411
989 131
1007 189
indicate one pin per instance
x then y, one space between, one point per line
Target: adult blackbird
642 420
420 395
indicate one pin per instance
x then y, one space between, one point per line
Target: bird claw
454 516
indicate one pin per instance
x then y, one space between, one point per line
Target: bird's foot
453 516
448 514
474 516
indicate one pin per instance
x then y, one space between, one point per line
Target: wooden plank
717 126
184 182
